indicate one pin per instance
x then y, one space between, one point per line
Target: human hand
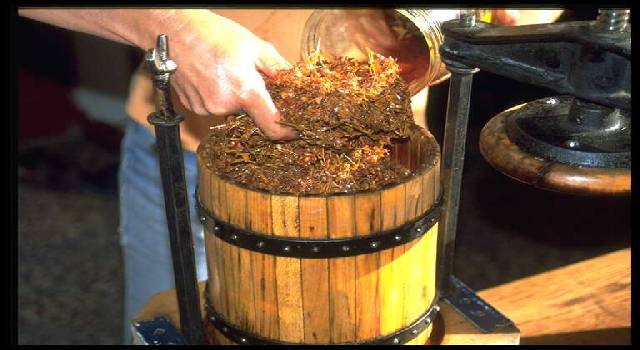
511 17
219 65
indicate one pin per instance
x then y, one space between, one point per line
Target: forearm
136 27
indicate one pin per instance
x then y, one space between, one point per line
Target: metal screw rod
167 127
455 134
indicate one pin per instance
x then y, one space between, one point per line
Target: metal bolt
415 331
216 229
260 244
437 308
467 18
396 341
243 340
427 320
397 237
374 244
612 20
345 248
234 237
315 249
286 248
202 218
572 144
478 313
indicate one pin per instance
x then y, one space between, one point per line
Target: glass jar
412 36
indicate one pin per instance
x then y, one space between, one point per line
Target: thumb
259 105
270 61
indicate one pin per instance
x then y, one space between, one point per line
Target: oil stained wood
342 272
285 214
263 268
315 273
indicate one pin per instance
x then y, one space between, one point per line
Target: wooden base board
453 326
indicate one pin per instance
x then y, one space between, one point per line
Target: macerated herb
347 114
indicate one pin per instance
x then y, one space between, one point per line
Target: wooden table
584 303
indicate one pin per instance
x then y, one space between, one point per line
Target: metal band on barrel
399 337
317 248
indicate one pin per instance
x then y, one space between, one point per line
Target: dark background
70 270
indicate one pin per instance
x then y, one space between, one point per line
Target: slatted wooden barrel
261 290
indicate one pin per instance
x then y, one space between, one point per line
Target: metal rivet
345 248
234 237
315 249
437 307
427 320
213 318
478 313
243 340
572 144
202 218
396 341
419 229
286 248
415 331
374 244
260 244
216 228
397 237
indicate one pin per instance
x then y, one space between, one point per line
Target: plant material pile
347 114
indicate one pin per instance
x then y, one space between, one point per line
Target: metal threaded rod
612 20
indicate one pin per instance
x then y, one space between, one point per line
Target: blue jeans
143 225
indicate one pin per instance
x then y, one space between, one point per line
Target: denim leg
143 226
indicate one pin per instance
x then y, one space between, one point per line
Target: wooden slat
219 209
240 291
315 273
404 154
263 268
414 256
214 279
342 272
368 220
285 213
391 271
204 185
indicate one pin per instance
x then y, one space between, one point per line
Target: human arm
219 61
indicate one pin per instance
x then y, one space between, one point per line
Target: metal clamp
476 310
317 248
